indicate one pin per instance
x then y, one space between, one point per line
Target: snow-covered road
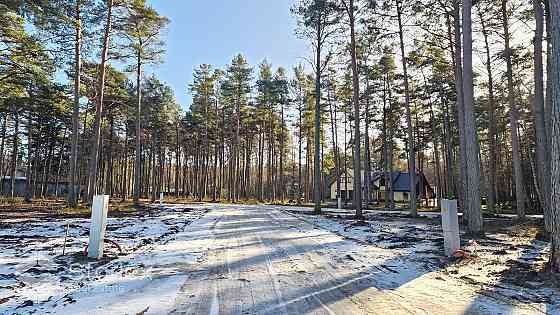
262 260
233 259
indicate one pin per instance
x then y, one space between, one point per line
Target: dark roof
401 180
331 178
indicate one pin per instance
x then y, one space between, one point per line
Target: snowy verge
506 264
157 248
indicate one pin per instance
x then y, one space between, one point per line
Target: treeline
87 136
119 132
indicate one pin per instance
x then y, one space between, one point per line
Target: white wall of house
400 196
343 186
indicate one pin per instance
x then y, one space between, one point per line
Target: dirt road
266 261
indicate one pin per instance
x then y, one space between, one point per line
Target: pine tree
141 43
317 22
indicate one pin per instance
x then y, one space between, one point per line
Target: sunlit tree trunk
542 169
555 134
472 151
462 182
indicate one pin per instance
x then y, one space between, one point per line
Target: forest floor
233 259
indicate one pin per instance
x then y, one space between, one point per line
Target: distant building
346 186
20 172
400 186
20 188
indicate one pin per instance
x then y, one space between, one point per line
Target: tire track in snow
272 277
193 299
215 306
384 298
288 253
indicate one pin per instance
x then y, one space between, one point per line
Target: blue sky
213 31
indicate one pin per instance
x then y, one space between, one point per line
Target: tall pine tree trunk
542 169
138 143
72 193
435 142
260 181
235 173
555 134
411 143
110 161
28 189
2 154
215 175
300 150
367 175
334 142
282 151
59 167
317 142
475 221
462 182
492 125
346 193
15 147
449 189
390 147
386 148
513 117
96 139
356 101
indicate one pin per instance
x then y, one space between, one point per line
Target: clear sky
213 31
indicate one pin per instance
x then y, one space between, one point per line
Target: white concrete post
339 202
160 199
99 211
450 225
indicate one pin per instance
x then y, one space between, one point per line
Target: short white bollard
339 203
98 225
161 199
450 225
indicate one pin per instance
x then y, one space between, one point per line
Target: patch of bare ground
509 260
17 210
